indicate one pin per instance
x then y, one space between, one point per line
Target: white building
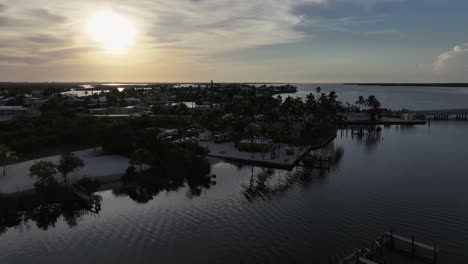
205 136
12 111
132 100
356 117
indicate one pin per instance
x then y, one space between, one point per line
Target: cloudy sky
234 40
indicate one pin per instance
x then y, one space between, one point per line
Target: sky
315 41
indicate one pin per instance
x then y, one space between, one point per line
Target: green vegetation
60 132
68 163
169 166
7 155
44 171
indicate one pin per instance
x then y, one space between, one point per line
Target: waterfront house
255 145
8 112
132 101
221 137
205 136
363 116
170 132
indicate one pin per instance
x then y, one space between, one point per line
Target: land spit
104 168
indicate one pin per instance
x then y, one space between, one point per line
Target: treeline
59 131
156 164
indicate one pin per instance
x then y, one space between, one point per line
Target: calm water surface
397 97
409 179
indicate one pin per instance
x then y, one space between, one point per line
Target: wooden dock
92 201
388 121
392 248
228 151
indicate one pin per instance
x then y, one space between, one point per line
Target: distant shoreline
412 84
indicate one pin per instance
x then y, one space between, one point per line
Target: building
255 145
205 136
129 110
132 101
170 132
363 116
5 101
12 111
221 137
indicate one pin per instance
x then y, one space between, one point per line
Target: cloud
2 7
222 25
21 60
189 27
385 32
45 15
44 39
454 61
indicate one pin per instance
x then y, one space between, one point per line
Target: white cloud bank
452 62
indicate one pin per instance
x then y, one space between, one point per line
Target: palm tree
361 102
251 131
263 130
375 107
6 155
318 90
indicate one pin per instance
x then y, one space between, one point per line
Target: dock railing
389 243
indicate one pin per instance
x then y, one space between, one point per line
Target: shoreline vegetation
162 141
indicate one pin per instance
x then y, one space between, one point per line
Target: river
409 179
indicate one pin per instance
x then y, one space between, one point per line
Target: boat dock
282 156
392 248
388 121
448 114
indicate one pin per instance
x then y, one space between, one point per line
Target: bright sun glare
114 32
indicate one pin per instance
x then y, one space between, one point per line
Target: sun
114 32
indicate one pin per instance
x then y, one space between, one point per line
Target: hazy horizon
292 41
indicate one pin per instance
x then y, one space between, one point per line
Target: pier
449 114
388 121
92 201
278 157
392 248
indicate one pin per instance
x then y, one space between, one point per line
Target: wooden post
436 254
392 244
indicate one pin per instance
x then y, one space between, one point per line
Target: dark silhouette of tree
44 171
361 102
374 107
140 157
69 162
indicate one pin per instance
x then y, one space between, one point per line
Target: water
410 179
81 93
396 97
